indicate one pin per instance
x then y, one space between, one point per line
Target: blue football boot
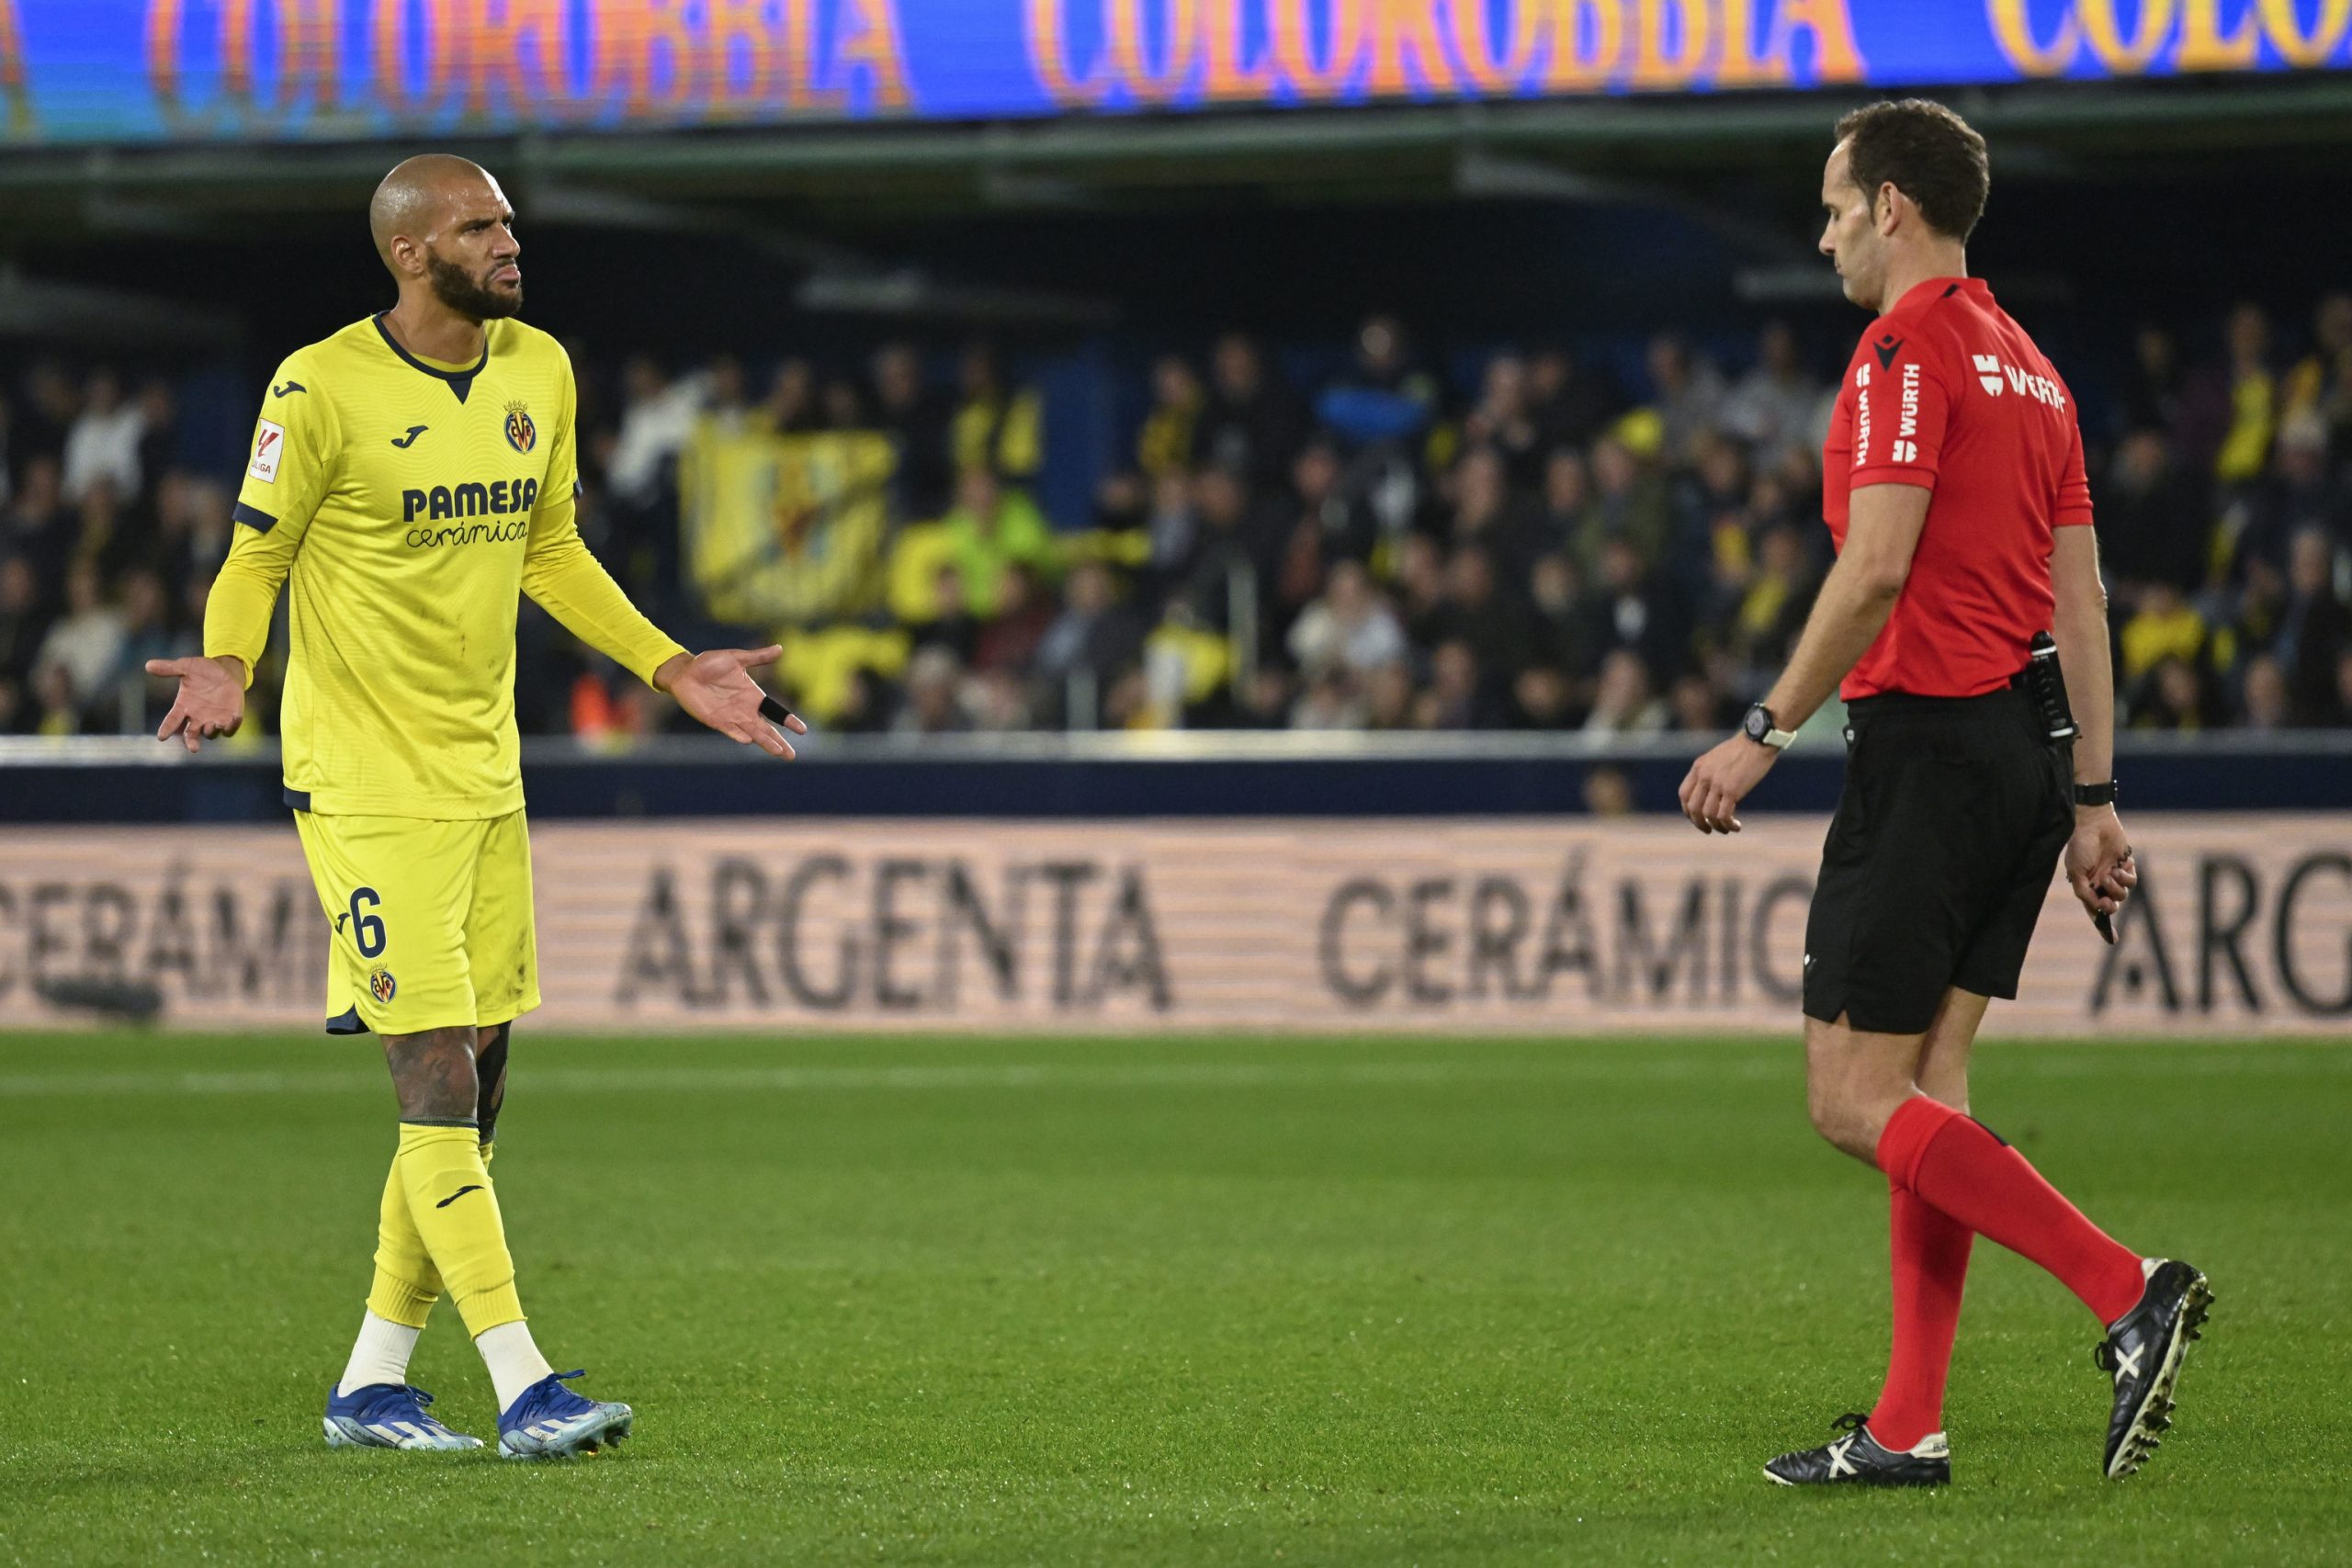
549 1421
388 1415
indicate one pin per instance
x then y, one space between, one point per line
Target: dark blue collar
460 381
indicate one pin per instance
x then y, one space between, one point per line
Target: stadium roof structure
839 208
1567 149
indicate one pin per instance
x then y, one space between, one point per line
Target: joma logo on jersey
1991 372
476 500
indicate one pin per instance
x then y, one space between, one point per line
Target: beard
454 288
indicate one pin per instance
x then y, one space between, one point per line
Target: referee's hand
1720 779
717 688
2098 862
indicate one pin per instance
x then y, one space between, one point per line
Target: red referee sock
1955 1163
1930 1249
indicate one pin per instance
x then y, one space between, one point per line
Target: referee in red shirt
1953 486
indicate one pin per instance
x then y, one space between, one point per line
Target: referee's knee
1828 1113
1846 1121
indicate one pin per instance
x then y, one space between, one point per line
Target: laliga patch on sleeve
269 446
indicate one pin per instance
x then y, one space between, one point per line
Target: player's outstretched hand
2098 862
211 699
717 688
1720 779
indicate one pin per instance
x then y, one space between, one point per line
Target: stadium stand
1516 538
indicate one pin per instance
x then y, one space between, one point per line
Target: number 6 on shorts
367 930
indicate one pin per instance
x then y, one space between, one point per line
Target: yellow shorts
432 921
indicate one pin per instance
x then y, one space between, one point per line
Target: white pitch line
1766 1065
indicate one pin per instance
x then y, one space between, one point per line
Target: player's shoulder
517 339
313 386
360 341
329 366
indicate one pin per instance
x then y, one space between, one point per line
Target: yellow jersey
407 503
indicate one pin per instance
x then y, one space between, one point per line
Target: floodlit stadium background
1261 499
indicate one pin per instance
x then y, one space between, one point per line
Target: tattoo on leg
432 1074
490 1071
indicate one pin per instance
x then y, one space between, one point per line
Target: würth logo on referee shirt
1991 372
1906 450
1861 414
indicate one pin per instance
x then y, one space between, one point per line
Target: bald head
442 225
417 195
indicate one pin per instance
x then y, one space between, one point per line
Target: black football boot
1859 1459
2142 1351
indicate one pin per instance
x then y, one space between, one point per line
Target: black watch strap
2094 793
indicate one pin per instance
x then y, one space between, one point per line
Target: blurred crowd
110 532
1534 540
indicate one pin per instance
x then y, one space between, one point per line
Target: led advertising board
134 71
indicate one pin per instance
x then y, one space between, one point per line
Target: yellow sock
406 1282
456 1213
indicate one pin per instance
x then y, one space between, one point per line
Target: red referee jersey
1947 393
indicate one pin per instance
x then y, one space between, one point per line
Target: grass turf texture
1149 1300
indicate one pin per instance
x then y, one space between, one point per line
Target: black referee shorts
1954 814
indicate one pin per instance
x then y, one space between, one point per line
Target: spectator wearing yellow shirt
1165 444
2166 625
1772 606
990 527
996 427
2252 398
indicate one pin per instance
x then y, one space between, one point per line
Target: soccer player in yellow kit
410 476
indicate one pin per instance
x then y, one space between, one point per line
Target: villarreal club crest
520 434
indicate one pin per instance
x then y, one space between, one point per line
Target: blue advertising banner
131 70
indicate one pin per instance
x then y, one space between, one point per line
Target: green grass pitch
1147 1300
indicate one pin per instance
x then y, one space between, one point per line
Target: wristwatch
1760 727
2094 795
